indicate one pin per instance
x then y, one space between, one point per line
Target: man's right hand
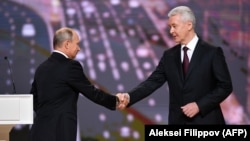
124 99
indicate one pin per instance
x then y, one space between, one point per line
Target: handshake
122 100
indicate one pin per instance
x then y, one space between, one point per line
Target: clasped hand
123 100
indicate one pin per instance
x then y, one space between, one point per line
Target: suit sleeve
33 91
223 84
147 87
79 82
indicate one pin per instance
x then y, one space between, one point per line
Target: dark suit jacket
207 83
56 87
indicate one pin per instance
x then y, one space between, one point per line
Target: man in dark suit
194 95
56 87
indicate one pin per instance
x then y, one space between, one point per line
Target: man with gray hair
195 71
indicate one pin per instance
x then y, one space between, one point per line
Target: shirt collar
57 51
191 45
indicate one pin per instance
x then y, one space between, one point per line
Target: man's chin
176 40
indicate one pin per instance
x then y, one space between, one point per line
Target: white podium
14 109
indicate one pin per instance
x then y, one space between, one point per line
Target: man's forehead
77 34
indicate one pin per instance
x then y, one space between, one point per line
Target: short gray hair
185 12
61 35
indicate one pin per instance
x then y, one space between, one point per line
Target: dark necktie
185 61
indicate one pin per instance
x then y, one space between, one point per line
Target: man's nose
171 30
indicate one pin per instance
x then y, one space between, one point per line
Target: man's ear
190 25
66 44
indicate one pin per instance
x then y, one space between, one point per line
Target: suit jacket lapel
178 61
197 54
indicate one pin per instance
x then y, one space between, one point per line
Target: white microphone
13 84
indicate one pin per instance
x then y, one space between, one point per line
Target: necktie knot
185 49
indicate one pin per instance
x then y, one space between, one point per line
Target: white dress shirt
191 46
57 51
